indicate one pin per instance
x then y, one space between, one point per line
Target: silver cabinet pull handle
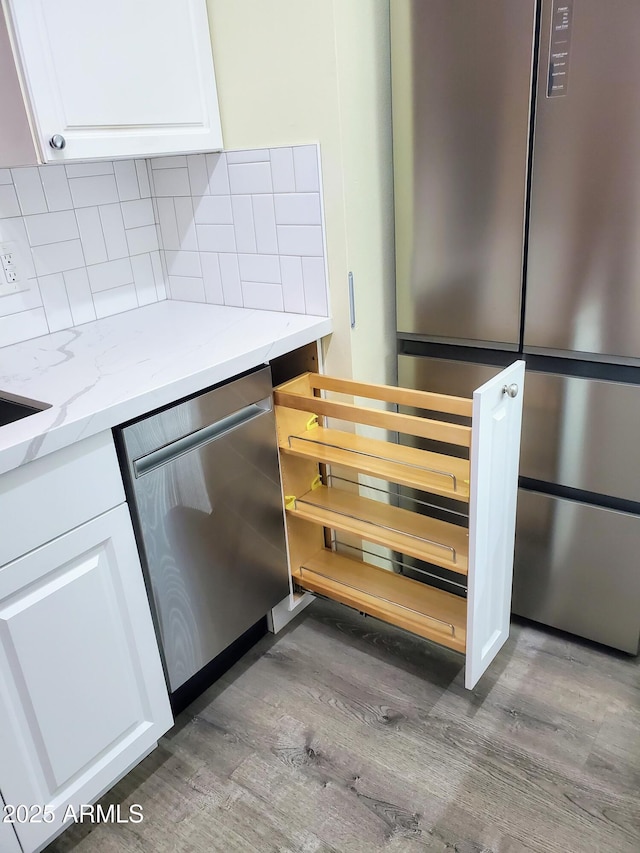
511 390
57 141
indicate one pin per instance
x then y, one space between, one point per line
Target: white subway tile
51 227
298 209
266 297
213 210
265 224
216 238
315 288
56 187
159 275
300 239
250 178
14 229
168 162
259 268
91 236
90 191
143 178
211 278
111 274
198 176
144 279
23 300
126 180
113 229
284 179
29 189
243 223
230 275
142 240
55 301
183 263
87 170
305 166
57 257
80 298
5 176
137 213
218 174
115 301
292 284
186 289
23 326
168 223
254 155
171 182
8 201
187 238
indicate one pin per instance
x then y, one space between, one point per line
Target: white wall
292 72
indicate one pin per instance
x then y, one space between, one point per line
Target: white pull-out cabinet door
82 693
120 78
495 456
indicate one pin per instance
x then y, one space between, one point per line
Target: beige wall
291 72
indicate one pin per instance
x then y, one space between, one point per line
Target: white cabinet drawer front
54 494
81 684
119 79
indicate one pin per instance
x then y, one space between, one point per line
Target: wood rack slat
426 400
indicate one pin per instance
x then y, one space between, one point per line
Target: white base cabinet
8 838
82 692
117 79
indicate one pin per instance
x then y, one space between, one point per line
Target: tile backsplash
87 245
244 228
240 228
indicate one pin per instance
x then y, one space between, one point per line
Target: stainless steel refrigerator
517 193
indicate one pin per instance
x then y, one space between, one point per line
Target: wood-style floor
343 734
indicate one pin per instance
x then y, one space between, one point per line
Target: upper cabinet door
495 457
17 147
116 79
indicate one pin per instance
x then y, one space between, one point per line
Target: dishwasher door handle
144 464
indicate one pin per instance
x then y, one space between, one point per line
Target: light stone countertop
104 373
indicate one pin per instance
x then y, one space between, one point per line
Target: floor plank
344 735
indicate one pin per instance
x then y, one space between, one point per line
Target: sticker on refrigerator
559 45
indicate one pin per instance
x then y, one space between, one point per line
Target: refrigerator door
581 433
461 78
584 254
594 592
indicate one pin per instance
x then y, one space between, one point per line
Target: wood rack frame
481 557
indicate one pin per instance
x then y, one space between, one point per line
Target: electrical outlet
10 272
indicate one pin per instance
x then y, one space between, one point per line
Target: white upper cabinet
117 79
17 147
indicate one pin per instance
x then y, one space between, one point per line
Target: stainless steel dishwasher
204 490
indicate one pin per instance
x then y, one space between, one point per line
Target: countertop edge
40 441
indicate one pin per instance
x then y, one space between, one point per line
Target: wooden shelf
395 463
409 604
419 536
